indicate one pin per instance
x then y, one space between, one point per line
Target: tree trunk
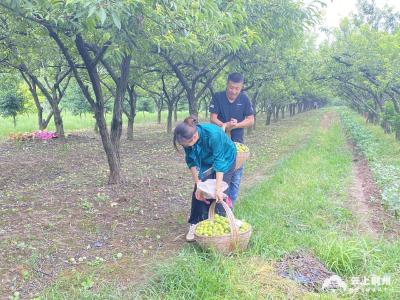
386 127
51 96
176 112
283 112
292 109
276 113
15 121
193 110
46 122
58 122
42 124
132 112
116 124
169 118
371 117
269 114
39 110
111 153
96 102
159 115
40 117
129 133
190 85
98 105
254 106
397 134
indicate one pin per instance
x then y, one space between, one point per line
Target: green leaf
117 20
102 15
92 9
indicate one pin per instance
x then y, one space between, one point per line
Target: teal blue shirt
213 149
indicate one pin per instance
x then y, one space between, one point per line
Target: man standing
231 109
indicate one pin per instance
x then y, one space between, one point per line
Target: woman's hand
219 195
199 195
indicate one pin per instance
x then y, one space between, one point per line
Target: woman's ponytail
191 121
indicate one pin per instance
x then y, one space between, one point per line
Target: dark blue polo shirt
239 110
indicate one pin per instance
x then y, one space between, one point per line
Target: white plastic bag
208 187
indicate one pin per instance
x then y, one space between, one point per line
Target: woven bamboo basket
241 157
226 243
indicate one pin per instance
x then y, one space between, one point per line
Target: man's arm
248 112
214 111
247 122
214 120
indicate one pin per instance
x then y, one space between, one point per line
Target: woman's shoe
190 234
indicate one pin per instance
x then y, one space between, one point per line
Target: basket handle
232 223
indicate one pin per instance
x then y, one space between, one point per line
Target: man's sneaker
190 234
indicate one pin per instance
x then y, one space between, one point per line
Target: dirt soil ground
365 202
57 212
364 196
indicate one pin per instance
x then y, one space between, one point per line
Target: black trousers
199 209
